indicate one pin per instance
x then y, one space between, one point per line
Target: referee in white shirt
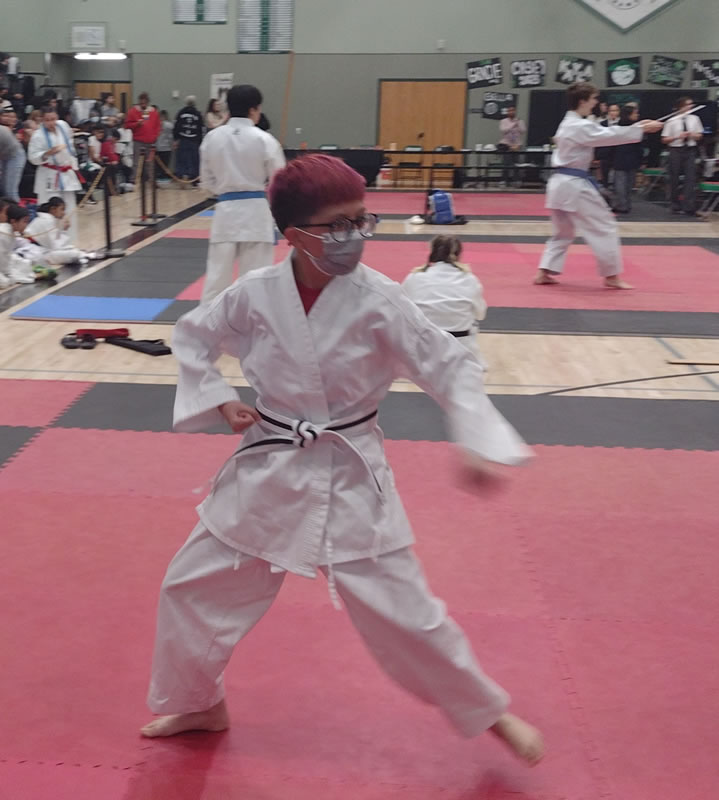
682 134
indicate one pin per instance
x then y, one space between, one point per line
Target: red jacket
145 125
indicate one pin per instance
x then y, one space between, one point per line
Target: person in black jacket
605 155
188 136
627 160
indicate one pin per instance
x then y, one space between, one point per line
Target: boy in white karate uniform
573 195
320 337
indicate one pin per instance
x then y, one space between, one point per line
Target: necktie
685 141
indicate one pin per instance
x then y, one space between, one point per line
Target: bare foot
615 282
523 739
544 278
214 719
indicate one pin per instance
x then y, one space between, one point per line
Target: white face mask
337 258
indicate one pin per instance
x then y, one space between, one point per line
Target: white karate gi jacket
49 181
332 500
239 157
45 230
452 298
575 141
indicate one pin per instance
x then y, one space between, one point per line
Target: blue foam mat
95 309
209 213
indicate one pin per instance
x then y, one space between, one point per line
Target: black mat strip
702 325
13 439
541 419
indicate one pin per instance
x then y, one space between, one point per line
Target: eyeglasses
341 228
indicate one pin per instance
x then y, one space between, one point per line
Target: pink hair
310 183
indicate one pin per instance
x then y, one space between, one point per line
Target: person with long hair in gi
447 292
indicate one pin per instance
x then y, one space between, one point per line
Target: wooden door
92 91
425 113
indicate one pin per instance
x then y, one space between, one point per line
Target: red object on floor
673 278
588 588
37 403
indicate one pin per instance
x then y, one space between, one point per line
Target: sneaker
21 277
44 273
128 187
90 201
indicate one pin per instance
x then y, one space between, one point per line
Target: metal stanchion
144 221
153 184
109 251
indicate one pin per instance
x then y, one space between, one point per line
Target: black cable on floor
632 380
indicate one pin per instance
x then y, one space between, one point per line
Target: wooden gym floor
520 363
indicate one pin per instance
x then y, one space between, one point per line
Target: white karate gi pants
221 263
594 222
44 195
213 595
66 256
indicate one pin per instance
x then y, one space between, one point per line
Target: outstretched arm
453 377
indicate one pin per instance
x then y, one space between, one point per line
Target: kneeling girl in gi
447 292
49 231
320 337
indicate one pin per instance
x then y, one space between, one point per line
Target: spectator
144 122
27 181
513 131
52 151
13 268
164 147
215 115
12 157
124 147
108 107
627 160
188 136
49 231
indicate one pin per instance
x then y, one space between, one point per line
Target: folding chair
414 167
710 192
654 177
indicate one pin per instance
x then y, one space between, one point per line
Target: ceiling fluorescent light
100 56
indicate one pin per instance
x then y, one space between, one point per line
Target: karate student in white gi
49 231
447 292
51 149
237 161
320 337
573 196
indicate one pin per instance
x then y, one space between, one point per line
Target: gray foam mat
541 419
13 439
703 325
123 288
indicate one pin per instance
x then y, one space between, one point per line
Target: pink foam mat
586 587
505 204
37 403
672 278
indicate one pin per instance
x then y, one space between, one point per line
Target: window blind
265 26
199 12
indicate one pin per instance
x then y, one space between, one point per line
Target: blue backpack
442 208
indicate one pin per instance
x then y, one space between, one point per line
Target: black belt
459 334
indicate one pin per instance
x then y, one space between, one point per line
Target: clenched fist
239 416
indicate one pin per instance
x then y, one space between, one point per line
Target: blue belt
578 173
239 196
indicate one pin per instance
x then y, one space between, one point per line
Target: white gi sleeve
480 304
197 342
452 376
596 135
274 156
37 147
207 176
